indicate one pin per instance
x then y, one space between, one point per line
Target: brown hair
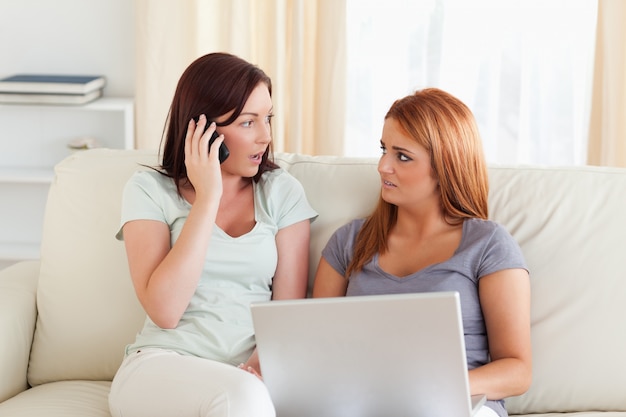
446 128
213 85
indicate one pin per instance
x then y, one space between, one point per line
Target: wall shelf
33 139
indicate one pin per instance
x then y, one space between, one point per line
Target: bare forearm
500 379
292 271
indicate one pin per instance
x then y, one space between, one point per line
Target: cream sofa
65 319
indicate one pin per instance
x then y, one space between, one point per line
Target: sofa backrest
568 222
87 310
570 225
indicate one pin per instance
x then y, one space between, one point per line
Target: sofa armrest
18 314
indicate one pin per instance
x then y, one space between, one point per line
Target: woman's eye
402 157
383 150
247 123
268 118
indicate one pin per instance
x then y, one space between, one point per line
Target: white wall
70 36
61 36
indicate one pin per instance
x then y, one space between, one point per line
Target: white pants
155 382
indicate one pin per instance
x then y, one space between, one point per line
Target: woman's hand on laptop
251 370
252 365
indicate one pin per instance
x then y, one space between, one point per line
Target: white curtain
299 43
523 67
165 36
607 138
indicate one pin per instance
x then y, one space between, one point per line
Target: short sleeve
501 252
339 250
138 200
285 199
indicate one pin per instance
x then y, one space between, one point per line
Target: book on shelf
52 84
34 98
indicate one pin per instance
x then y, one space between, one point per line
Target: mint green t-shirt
237 271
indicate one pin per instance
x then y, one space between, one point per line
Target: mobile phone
223 150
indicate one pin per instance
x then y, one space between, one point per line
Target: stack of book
51 89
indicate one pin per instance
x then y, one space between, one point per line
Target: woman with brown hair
430 232
207 233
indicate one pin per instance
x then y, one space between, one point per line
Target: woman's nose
384 165
264 134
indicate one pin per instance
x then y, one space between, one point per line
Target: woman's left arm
292 271
505 301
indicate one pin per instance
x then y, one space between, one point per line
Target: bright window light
524 67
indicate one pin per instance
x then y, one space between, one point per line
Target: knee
247 397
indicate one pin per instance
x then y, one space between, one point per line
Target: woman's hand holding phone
203 168
223 151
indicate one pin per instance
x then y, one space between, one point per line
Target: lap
157 382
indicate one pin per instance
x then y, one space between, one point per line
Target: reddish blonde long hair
446 128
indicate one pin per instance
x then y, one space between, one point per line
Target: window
524 67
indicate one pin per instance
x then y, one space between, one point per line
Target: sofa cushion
339 189
18 312
61 399
87 307
571 226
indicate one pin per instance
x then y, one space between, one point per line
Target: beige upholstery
78 309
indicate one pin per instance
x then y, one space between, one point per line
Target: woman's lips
388 184
257 158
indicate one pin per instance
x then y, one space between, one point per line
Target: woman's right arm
328 282
166 278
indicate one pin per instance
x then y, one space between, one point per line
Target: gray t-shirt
237 271
485 247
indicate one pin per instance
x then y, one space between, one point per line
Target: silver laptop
367 356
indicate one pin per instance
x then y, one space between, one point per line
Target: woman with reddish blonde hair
430 232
